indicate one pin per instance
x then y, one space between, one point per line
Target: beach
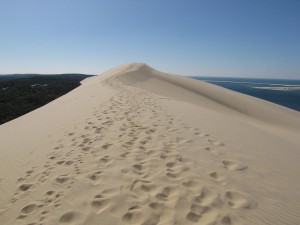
283 88
138 146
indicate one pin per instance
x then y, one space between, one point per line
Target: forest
22 93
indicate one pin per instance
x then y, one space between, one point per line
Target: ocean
255 87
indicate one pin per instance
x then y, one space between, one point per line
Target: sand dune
138 146
282 88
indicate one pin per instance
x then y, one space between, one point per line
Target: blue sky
246 38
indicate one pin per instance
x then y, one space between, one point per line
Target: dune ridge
248 105
139 146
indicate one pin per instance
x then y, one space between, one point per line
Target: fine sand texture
142 147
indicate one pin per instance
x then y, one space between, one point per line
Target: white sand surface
283 88
138 146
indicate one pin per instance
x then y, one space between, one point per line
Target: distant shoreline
284 92
242 82
283 88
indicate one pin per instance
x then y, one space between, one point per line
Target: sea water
287 98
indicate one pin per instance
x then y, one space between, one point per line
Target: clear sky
246 38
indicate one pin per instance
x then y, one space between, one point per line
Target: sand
283 88
138 146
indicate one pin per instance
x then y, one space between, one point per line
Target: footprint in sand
215 142
52 157
230 220
216 176
25 187
180 140
151 131
149 188
68 163
28 209
201 134
173 175
72 217
49 193
157 207
105 159
106 146
135 215
95 177
238 200
52 197
231 165
210 149
138 168
167 193
173 164
62 179
150 152
193 185
99 204
29 172
60 162
208 197
124 155
202 215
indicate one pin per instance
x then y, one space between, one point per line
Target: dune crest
196 91
139 146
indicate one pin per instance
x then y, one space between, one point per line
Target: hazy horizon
257 39
217 76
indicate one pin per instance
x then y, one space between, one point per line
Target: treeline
20 94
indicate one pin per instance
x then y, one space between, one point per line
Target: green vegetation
20 94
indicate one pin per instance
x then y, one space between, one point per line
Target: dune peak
128 67
136 66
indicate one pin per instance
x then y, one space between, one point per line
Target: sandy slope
137 146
